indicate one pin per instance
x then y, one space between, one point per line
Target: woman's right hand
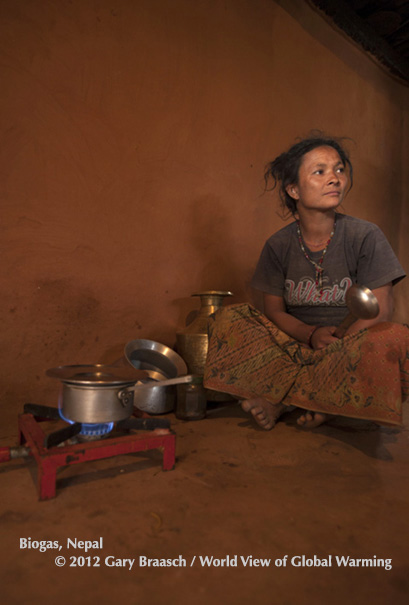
275 310
322 337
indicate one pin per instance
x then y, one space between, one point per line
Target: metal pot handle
188 379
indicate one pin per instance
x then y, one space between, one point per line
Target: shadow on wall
213 239
216 259
218 255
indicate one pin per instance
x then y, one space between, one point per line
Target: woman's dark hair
284 169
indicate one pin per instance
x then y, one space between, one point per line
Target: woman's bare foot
310 420
265 413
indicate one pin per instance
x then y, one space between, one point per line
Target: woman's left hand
384 296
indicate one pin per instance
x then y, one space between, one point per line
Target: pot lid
97 374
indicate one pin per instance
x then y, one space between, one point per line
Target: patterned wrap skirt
363 375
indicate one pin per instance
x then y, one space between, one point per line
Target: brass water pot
192 342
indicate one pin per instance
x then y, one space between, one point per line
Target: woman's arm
275 310
384 295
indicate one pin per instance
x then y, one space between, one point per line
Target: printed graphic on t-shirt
305 292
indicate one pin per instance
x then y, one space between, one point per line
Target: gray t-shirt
358 253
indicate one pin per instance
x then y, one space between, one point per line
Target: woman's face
322 181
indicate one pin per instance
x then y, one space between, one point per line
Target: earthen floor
236 494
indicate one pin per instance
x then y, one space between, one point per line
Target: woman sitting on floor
290 355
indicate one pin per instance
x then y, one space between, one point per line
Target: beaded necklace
317 265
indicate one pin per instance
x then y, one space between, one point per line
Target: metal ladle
362 304
188 379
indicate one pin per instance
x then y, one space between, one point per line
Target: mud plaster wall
134 134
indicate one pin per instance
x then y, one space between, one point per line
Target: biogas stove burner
89 432
78 443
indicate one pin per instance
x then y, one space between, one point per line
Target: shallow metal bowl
151 355
160 362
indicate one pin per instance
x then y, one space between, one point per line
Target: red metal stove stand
50 459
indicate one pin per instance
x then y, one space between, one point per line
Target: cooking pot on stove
96 393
